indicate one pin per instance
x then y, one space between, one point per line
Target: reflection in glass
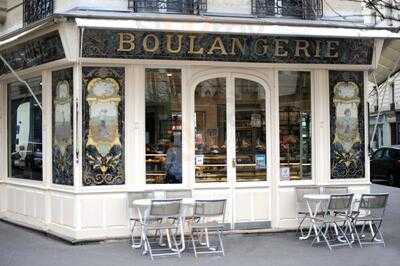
63 148
210 131
251 161
295 125
163 126
25 131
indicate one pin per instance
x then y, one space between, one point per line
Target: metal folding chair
207 213
178 194
301 206
163 210
370 213
336 190
336 217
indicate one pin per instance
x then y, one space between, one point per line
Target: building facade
243 100
385 102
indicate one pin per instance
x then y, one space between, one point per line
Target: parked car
385 165
28 156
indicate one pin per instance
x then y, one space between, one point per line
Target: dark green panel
32 53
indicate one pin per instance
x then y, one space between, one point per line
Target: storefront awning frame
211 27
4 61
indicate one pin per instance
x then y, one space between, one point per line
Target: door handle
234 162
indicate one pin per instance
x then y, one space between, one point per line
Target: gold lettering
317 49
332 47
264 46
156 45
169 43
236 44
279 48
217 45
302 45
192 50
126 42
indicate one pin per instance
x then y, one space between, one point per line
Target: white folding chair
371 211
163 210
208 217
336 217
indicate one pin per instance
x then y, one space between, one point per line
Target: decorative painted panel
103 126
100 43
347 124
63 146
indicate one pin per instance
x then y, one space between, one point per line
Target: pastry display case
250 147
155 173
295 148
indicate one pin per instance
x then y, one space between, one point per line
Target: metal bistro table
317 200
143 209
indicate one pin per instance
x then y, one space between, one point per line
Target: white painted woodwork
83 213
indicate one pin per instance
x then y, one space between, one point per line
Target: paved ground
20 247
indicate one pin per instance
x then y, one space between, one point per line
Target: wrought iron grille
168 6
35 10
305 9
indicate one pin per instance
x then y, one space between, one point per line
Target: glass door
250 129
210 131
235 105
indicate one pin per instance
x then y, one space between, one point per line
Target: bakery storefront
227 111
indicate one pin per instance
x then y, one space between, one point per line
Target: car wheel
392 180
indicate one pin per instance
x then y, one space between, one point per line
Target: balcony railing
304 9
35 10
191 7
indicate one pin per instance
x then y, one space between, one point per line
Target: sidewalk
20 247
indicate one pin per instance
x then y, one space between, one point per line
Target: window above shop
35 10
191 7
303 9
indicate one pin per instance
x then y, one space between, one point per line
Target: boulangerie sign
225 47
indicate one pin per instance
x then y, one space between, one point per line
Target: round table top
147 202
317 196
325 196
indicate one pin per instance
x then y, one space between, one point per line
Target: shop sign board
100 43
41 50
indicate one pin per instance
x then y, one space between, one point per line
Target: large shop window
163 126
295 125
210 131
25 130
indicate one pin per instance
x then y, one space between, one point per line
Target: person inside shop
173 163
